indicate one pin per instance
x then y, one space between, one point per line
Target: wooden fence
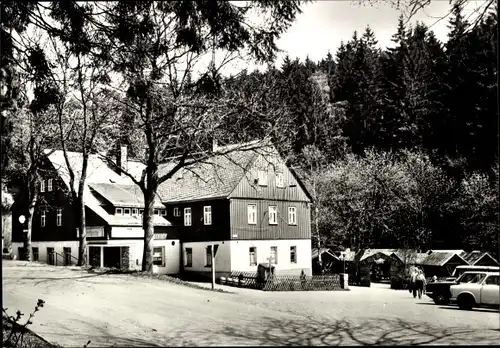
284 283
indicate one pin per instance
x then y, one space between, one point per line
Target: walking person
420 282
413 282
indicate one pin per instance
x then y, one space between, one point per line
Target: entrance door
50 256
112 257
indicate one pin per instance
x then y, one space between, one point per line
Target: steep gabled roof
107 182
440 258
475 256
314 253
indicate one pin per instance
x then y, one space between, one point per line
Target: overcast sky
324 24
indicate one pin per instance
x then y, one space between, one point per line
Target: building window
59 217
156 212
262 176
293 254
207 215
43 216
252 214
126 211
292 216
279 180
177 212
49 185
158 256
253 256
36 254
118 211
42 186
163 212
208 253
274 255
189 257
273 215
134 211
187 216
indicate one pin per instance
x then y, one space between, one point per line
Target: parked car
481 291
439 291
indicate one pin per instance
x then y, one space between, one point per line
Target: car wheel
465 302
441 299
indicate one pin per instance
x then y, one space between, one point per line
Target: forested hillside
399 146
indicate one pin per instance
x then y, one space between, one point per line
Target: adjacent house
248 202
113 209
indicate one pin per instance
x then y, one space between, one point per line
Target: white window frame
118 211
293 251
280 180
252 214
274 260
262 177
273 215
49 185
292 216
134 211
43 218
177 212
125 211
59 217
156 212
162 257
42 186
254 261
207 215
163 212
188 218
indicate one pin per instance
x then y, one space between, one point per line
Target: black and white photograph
249 173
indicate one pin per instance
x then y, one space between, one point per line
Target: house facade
247 202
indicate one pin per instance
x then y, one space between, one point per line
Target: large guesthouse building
246 200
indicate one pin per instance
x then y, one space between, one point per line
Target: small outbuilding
479 258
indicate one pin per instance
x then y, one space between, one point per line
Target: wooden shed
442 263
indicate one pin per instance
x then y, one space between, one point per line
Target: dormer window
141 211
262 177
134 211
280 180
118 211
126 211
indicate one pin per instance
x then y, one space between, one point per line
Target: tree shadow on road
365 332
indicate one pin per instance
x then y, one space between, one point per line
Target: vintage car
439 291
483 290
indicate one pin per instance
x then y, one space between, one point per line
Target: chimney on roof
122 160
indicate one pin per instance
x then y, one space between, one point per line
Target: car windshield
471 278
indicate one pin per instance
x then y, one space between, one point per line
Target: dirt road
122 310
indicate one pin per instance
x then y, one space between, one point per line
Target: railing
61 258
